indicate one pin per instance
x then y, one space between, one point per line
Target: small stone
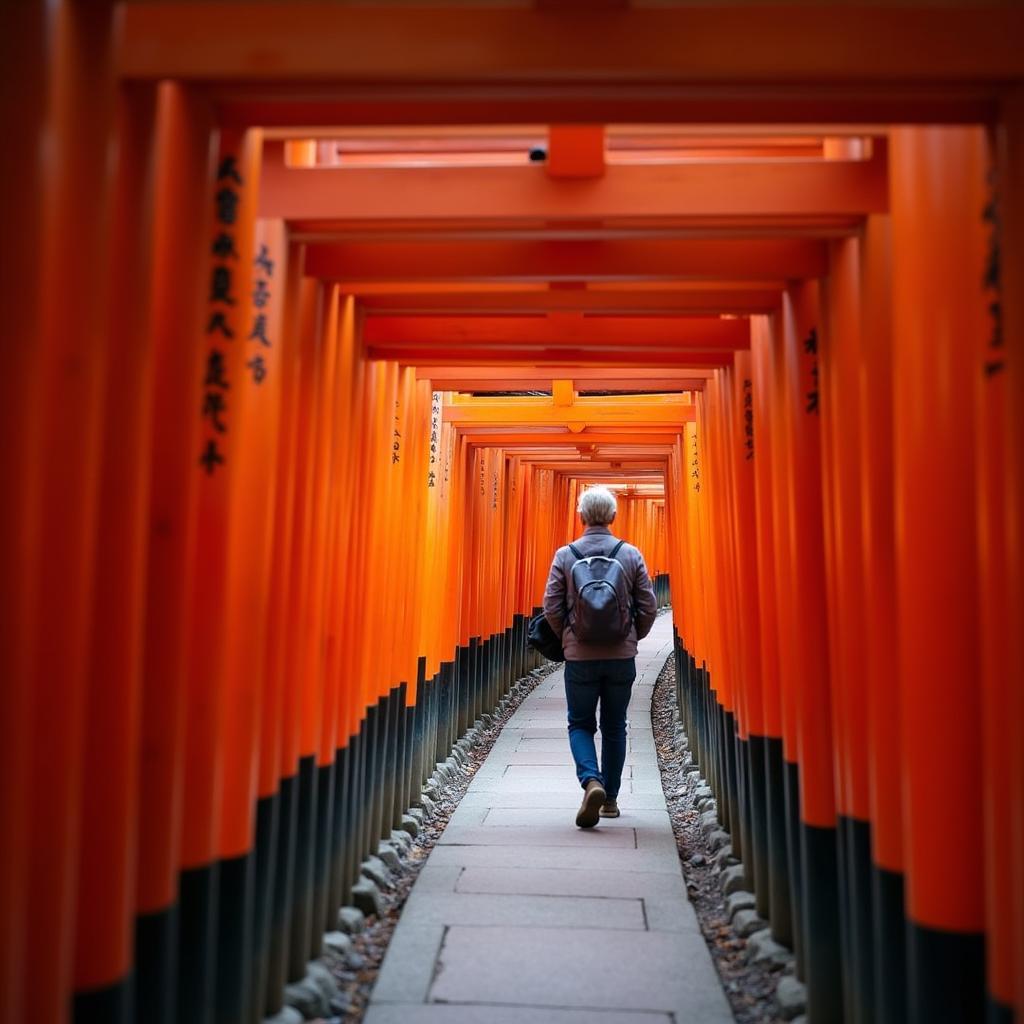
691 769
741 900
351 920
791 995
389 855
746 922
680 794
306 997
366 897
763 949
430 790
709 822
337 943
287 1015
417 814
321 976
376 870
698 860
704 791
400 838
356 961
718 839
427 805
732 879
410 826
724 857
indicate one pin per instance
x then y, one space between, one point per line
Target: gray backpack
602 612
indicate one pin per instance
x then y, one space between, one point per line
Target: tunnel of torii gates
305 362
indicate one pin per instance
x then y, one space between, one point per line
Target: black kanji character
224 247
261 296
258 367
259 330
812 401
229 169
215 371
220 286
264 262
227 206
213 406
218 323
811 344
211 457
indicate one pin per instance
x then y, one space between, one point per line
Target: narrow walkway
520 916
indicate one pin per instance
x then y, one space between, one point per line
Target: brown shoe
590 810
609 809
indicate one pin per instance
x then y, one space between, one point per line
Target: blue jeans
609 681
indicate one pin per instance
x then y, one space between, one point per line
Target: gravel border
706 858
355 971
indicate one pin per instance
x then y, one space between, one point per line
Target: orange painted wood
878 529
694 193
622 260
185 168
108 846
300 42
938 258
25 72
676 333
575 151
73 362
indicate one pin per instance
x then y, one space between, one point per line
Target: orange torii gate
207 657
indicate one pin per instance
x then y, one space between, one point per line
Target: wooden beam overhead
653 302
752 46
676 333
663 260
776 192
575 417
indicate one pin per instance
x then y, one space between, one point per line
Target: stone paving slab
542 835
520 910
585 858
449 1013
578 968
566 800
519 916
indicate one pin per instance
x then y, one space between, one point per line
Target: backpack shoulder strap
576 551
615 550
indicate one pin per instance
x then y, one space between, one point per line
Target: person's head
597 506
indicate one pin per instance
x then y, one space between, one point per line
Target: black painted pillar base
779 900
112 1004
819 853
234 939
156 966
281 899
302 888
268 813
945 976
197 951
859 975
889 950
791 778
757 802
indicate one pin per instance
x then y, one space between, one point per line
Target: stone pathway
519 916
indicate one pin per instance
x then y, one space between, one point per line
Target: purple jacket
598 540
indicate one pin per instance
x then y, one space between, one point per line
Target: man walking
600 601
